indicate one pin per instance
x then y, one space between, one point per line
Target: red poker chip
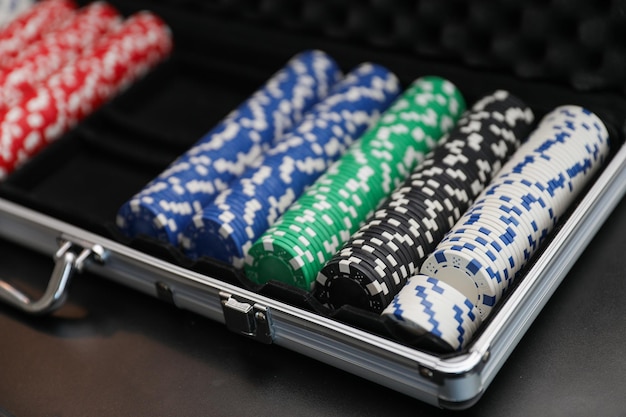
40 60
70 94
30 26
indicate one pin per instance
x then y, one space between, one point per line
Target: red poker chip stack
41 59
102 70
122 56
30 26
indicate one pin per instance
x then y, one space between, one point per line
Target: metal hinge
247 318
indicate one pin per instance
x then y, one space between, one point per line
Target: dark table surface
111 351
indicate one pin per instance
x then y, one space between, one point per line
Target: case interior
225 49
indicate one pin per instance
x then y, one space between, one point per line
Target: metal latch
247 318
69 258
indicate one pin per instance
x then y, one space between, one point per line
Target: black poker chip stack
390 247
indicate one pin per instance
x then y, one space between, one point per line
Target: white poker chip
552 194
465 314
488 248
526 213
480 252
525 199
487 223
427 306
467 274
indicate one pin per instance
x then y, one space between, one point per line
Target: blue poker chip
156 215
214 236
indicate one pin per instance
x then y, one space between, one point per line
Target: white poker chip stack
492 242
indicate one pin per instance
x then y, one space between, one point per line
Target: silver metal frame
450 382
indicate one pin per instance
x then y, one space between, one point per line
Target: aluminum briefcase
62 203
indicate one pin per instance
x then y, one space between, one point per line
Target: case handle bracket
69 258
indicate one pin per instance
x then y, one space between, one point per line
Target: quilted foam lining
580 42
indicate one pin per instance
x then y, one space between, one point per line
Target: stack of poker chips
495 238
30 26
294 249
485 251
227 228
102 69
40 60
165 206
377 260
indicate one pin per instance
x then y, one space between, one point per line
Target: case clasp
247 318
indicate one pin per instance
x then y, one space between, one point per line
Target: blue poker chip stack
226 228
492 242
164 207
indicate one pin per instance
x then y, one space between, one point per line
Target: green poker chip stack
317 225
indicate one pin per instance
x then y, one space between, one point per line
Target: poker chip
58 103
354 276
266 190
10 9
467 267
433 197
432 308
30 26
40 60
487 249
350 190
165 206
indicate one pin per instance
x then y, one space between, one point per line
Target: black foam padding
578 42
